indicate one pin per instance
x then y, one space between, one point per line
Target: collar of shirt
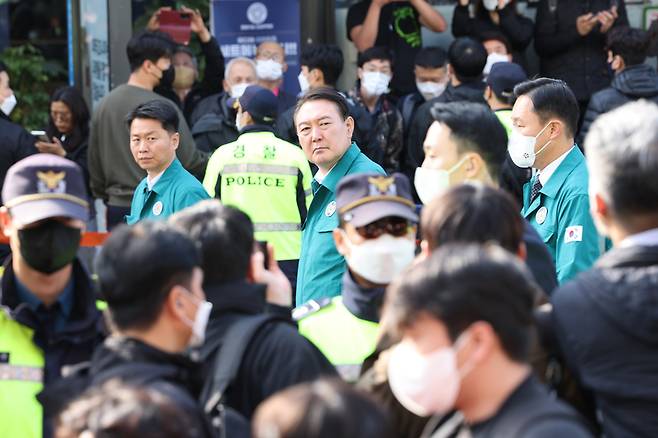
644 238
545 174
65 298
167 177
151 182
331 179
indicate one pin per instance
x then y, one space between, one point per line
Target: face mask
425 384
492 59
431 183
184 77
237 90
521 148
375 83
200 322
430 90
50 246
268 69
380 260
490 5
303 82
9 104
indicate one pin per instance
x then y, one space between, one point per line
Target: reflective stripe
265 226
350 372
278 169
22 373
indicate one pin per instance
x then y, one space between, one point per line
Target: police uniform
561 216
175 190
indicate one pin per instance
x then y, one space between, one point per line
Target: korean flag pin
157 208
541 215
331 209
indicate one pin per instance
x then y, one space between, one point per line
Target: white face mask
431 183
268 69
492 59
490 5
380 260
375 83
200 323
237 90
430 89
8 104
521 147
303 82
425 384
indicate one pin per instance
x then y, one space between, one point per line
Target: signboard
93 23
241 25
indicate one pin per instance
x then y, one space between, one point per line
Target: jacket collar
238 296
168 177
362 302
633 256
257 128
340 169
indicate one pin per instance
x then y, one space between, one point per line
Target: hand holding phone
41 136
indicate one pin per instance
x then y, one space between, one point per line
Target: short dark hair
454 285
148 46
464 214
73 99
324 93
376 52
431 57
320 409
622 155
551 98
467 56
137 268
475 129
225 236
328 58
156 109
496 36
629 43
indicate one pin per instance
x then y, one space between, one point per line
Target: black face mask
50 246
168 76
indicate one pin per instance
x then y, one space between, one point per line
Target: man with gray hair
606 319
214 117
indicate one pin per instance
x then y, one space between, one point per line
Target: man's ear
175 139
317 76
522 252
339 240
359 73
226 86
350 125
5 221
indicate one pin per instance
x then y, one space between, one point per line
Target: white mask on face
521 147
492 59
200 322
8 104
268 69
375 83
380 260
490 5
237 90
303 82
431 183
430 89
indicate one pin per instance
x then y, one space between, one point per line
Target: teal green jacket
561 216
321 267
175 190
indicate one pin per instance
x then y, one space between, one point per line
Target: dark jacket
15 144
277 357
539 260
579 61
632 83
213 75
215 123
284 101
606 324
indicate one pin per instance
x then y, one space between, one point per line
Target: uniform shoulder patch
309 308
573 233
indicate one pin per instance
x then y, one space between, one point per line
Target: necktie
536 187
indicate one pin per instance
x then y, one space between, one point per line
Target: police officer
264 176
555 200
48 319
168 187
377 238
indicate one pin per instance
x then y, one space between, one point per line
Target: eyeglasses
395 226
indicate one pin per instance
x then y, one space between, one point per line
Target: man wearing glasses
376 235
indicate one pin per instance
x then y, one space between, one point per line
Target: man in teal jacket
555 200
168 187
325 134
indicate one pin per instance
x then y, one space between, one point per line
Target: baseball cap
259 102
43 186
504 76
364 198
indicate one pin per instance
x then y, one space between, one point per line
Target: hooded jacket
606 324
214 123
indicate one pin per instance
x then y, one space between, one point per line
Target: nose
316 133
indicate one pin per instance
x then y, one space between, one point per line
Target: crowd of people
447 249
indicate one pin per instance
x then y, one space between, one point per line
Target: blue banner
241 25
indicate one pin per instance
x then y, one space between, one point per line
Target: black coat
214 123
579 61
606 324
15 144
632 83
277 357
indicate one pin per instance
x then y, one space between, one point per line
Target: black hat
504 76
43 186
364 198
259 102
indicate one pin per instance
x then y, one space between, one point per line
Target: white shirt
151 182
545 174
319 176
645 238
